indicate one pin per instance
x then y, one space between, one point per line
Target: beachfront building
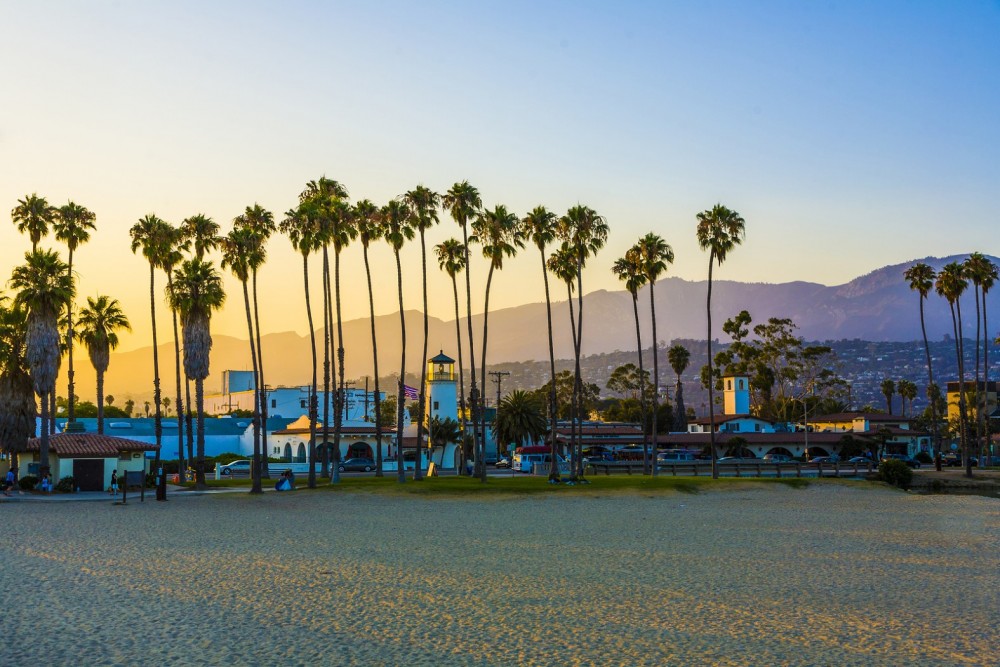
88 458
357 440
293 402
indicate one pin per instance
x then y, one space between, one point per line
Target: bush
924 458
66 485
27 483
896 473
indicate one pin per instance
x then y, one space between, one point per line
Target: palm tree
888 388
170 256
451 260
442 432
197 292
100 321
369 227
585 232
463 202
679 357
396 218
152 236
519 419
907 392
981 272
562 264
950 284
236 248
498 233
654 255
344 231
166 406
986 281
129 407
72 225
921 279
301 228
17 396
719 231
539 227
424 204
203 234
33 215
44 289
629 269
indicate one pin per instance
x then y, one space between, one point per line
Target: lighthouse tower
736 395
442 388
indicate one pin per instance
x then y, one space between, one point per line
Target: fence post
738 470
798 469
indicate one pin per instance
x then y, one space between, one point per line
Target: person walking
8 482
114 482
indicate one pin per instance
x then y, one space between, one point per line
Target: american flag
410 392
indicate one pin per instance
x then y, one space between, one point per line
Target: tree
950 284
166 406
72 225
100 321
109 399
33 215
302 230
197 292
921 278
629 380
584 232
129 407
463 202
369 226
679 357
629 269
146 405
202 233
398 230
152 236
719 231
907 392
539 227
451 259
654 256
562 264
888 388
170 256
442 432
44 289
424 204
520 419
982 273
17 396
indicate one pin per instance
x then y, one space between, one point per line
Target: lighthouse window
435 405
729 384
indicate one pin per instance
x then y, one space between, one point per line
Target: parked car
242 465
955 461
908 460
824 459
503 463
777 458
356 465
860 459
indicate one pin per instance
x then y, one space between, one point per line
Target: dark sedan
357 465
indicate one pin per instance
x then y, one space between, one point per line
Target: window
302 403
729 385
435 405
274 402
741 383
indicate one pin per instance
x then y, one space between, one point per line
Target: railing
741 469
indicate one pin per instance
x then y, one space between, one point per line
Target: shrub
27 483
66 485
924 458
896 473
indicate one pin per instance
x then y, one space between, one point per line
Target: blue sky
850 135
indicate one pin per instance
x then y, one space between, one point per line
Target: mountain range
878 306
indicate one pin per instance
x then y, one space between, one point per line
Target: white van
526 462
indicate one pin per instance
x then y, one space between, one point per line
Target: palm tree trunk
378 398
189 420
711 376
100 402
481 458
71 414
327 331
158 424
578 380
423 365
255 484
43 442
980 393
261 385
553 417
987 444
312 394
461 377
199 395
936 429
656 381
338 419
963 414
474 393
642 382
572 401
52 412
401 396
181 469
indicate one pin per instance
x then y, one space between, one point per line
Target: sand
827 575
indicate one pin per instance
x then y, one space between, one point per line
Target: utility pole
498 377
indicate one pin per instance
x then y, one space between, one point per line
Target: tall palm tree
629 270
236 248
464 203
202 232
17 395
981 272
398 230
170 257
302 230
100 321
907 392
888 388
152 237
498 233
921 278
585 232
44 289
562 264
950 284
539 227
261 222
679 357
986 281
72 225
520 419
343 232
33 215
719 231
655 254
368 223
197 292
424 204
451 260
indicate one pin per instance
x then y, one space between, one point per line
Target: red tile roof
344 430
91 445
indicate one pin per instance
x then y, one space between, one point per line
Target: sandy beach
827 575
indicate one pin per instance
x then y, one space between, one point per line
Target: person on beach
286 481
114 482
46 484
8 482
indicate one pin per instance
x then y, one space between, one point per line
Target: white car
242 465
